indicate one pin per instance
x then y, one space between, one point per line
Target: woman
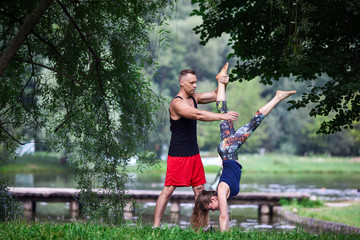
231 141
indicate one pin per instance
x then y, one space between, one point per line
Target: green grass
349 215
278 163
40 162
252 163
21 230
303 203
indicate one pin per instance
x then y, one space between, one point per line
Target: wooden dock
29 196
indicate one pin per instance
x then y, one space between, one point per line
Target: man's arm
206 97
209 97
179 108
224 211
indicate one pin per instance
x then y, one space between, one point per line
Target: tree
185 52
78 77
295 132
303 38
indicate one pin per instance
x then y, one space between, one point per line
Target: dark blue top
231 174
183 141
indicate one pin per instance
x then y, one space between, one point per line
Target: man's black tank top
183 141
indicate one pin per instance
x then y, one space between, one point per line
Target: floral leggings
231 141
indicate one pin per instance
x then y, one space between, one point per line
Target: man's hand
224 79
231 115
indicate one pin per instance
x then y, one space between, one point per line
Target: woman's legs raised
226 127
221 92
280 95
231 141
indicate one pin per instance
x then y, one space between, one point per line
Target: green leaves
79 78
9 207
277 39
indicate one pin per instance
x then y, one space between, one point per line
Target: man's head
185 72
187 80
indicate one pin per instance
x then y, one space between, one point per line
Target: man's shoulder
176 100
174 105
181 107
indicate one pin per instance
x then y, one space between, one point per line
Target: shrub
9 208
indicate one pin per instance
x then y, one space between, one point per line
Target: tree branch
27 82
93 53
50 68
32 31
23 32
11 136
79 31
65 120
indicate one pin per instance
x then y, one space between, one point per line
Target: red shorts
185 171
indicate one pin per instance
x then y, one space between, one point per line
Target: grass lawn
36 163
299 164
340 212
20 230
254 163
349 215
278 163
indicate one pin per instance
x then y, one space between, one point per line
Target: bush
9 208
306 203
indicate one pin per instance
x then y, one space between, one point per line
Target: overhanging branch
14 18
50 68
24 31
11 136
79 31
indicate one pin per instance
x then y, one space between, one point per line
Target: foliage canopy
78 78
306 39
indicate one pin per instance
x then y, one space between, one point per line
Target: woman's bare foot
281 95
223 71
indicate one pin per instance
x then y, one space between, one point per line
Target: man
184 165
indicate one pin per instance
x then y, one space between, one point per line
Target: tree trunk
23 32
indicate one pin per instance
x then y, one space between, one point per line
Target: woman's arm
223 190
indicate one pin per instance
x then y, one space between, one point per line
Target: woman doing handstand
231 141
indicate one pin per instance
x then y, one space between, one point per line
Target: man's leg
161 204
197 190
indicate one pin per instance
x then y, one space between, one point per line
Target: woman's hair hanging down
200 214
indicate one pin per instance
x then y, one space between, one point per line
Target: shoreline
315 225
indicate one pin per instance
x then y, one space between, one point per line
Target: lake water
327 187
